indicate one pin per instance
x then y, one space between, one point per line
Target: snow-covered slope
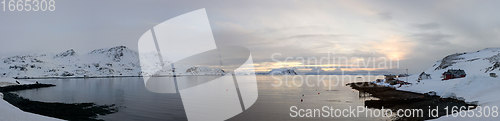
476 64
9 112
10 81
115 61
476 86
12 113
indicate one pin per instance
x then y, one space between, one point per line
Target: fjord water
277 94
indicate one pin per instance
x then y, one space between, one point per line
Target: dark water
273 103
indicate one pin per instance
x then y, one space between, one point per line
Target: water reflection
138 103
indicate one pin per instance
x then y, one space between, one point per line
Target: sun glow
395 47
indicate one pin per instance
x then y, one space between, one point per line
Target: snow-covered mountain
115 61
479 63
282 71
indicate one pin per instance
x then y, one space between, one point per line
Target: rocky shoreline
390 98
66 111
72 77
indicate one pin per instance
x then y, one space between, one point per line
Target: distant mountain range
282 71
115 61
106 62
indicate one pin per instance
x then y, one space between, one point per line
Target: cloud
385 15
291 28
270 30
427 26
432 38
312 36
395 47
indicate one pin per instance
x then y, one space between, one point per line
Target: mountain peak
115 52
69 52
113 49
484 61
119 47
491 49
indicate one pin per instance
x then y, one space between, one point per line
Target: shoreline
73 77
66 111
77 77
69 77
390 98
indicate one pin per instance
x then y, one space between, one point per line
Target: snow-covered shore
10 81
9 112
482 89
476 86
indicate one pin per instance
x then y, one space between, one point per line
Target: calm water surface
137 103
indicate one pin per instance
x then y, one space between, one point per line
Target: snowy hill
479 64
282 71
115 61
476 86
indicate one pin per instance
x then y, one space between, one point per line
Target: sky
411 34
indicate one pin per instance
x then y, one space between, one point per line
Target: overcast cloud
417 32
